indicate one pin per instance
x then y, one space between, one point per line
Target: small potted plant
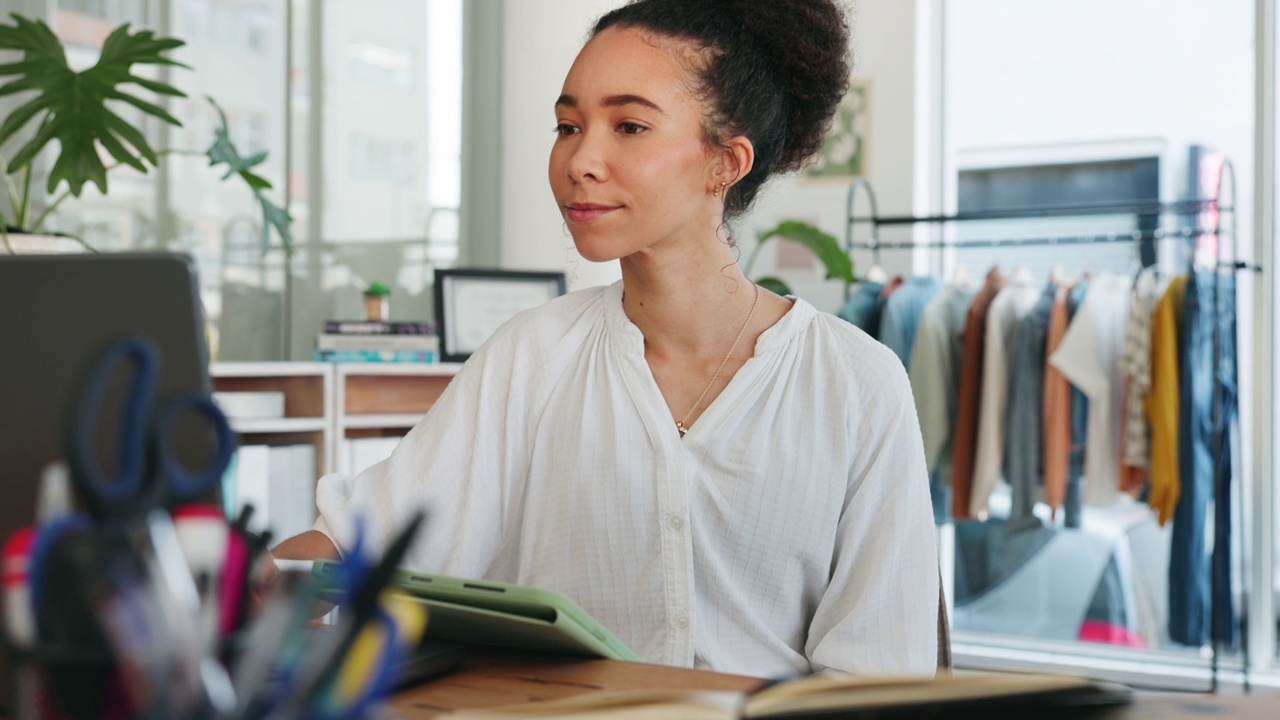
377 302
77 108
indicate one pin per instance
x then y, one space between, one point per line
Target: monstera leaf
71 107
224 151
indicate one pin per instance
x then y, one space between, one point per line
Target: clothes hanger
877 274
1136 268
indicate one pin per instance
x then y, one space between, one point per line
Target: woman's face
630 169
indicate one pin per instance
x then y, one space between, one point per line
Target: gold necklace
681 425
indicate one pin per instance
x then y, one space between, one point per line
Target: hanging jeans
1224 620
1193 598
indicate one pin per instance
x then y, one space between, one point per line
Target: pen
231 584
202 534
256 544
54 500
275 642
363 607
370 670
203 682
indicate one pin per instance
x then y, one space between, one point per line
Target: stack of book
389 341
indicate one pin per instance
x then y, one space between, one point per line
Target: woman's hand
267 572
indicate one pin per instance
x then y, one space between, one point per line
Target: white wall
1065 77
884 47
541 40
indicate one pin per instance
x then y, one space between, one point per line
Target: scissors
148 473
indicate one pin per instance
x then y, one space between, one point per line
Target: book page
621 705
832 691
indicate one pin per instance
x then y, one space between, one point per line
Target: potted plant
75 108
377 302
825 247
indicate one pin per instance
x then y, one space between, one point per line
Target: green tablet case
484 612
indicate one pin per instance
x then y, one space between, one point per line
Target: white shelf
308 393
381 420
266 369
249 426
421 369
319 394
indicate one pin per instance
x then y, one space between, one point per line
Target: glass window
391 158
382 147
1090 102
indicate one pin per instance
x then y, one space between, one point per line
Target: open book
832 695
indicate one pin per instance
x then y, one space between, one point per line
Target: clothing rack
1139 207
1134 236
1224 229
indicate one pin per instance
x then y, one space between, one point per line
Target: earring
719 188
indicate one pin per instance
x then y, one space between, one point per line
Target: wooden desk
490 678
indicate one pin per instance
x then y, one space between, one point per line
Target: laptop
57 312
483 612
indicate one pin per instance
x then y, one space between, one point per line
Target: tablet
484 612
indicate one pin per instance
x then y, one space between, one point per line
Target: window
382 146
1096 182
1077 103
388 162
378 65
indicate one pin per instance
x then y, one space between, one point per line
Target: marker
202 534
54 499
19 616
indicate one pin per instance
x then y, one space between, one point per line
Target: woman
725 478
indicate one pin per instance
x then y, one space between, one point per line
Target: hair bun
806 42
776 71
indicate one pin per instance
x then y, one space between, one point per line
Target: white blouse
789 530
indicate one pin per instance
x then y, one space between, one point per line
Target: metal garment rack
1223 204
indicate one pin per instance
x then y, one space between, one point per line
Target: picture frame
844 151
471 303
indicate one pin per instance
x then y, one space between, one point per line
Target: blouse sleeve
878 615
463 464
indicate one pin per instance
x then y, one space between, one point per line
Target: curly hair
770 70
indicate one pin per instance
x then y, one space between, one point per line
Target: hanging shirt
900 319
1136 362
1162 402
1073 505
935 374
1008 308
1026 411
967 402
862 308
789 530
1057 405
1089 357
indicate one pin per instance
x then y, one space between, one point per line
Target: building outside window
390 126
